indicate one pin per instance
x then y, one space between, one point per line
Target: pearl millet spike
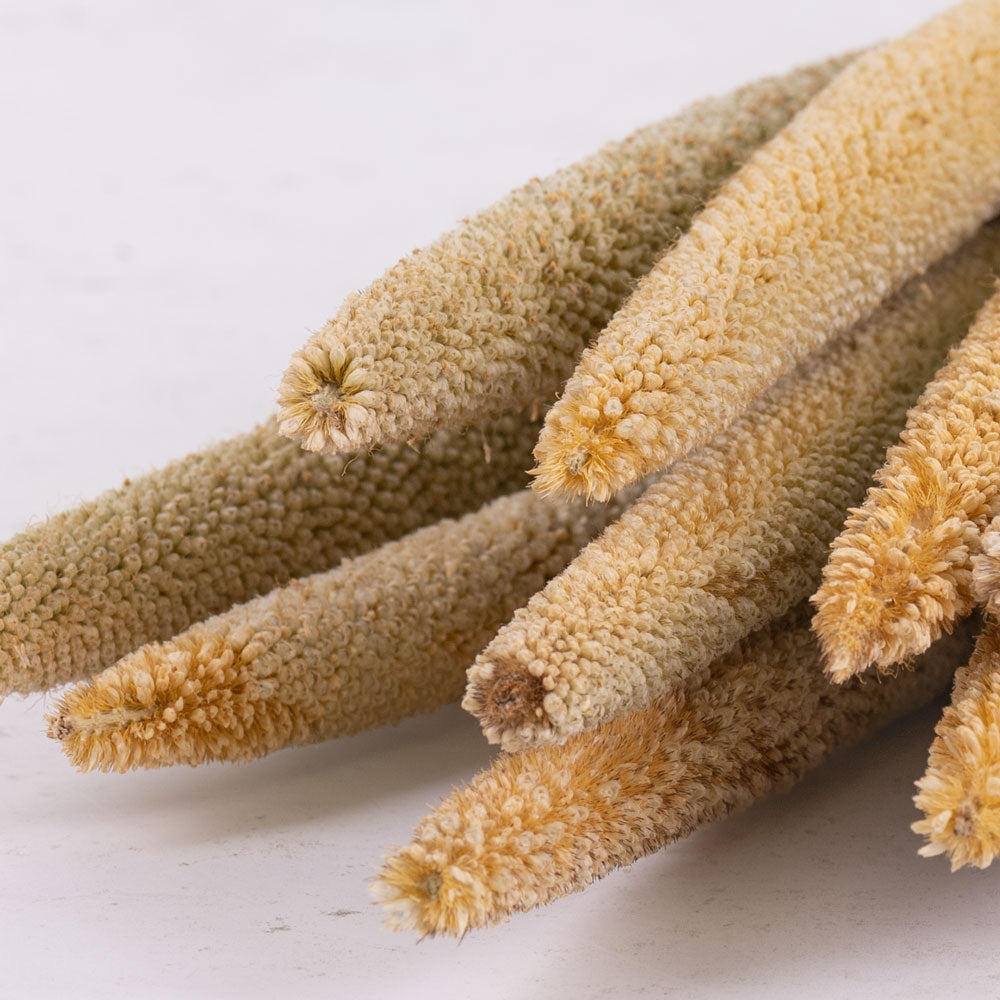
960 793
731 536
901 570
383 636
888 168
493 316
540 824
145 561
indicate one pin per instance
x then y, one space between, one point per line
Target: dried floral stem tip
381 637
960 793
901 570
733 535
493 316
145 561
986 570
543 823
891 166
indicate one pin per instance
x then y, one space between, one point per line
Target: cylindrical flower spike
901 570
887 169
493 316
549 821
145 561
960 793
731 536
986 570
383 636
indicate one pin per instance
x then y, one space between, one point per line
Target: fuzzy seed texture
888 168
540 824
383 636
143 562
986 570
730 537
493 316
960 793
901 571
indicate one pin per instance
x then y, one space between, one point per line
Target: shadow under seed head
510 697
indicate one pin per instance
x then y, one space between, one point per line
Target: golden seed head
960 792
799 245
548 821
179 702
903 568
495 313
583 464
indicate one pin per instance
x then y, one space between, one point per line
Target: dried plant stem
901 570
960 793
543 823
383 636
145 561
891 166
730 537
493 316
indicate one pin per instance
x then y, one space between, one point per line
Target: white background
187 189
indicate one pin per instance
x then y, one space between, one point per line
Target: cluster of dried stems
809 251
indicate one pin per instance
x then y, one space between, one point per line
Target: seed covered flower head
892 165
383 636
145 561
729 537
493 316
546 822
900 573
960 793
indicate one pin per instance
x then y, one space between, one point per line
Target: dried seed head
143 562
323 397
960 792
901 571
737 533
582 466
888 168
546 822
383 636
494 314
175 703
